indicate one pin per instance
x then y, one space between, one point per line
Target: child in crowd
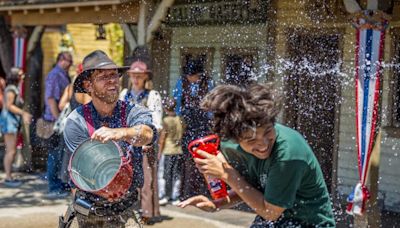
169 176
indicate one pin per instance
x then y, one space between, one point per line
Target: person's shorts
9 123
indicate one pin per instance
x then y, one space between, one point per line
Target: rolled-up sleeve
139 115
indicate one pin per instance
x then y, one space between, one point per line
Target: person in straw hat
128 125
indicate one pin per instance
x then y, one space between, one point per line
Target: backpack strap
89 119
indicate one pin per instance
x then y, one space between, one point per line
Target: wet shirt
57 80
290 178
76 132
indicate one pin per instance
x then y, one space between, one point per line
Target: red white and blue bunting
19 52
370 36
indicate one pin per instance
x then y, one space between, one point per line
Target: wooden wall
218 38
292 14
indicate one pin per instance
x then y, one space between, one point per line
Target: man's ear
87 85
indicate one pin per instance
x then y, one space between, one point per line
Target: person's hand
105 134
211 165
27 117
200 202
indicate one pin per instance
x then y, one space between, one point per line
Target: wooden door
312 94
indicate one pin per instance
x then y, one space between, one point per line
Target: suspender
89 118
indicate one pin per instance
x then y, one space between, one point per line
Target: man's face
66 62
192 78
104 85
260 142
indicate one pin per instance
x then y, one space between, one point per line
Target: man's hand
200 202
211 165
105 134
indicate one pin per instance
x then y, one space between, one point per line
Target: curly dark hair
239 109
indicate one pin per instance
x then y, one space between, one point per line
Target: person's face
193 77
138 80
104 85
66 62
260 142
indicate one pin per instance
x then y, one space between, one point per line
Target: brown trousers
149 192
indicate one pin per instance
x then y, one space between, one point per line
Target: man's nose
261 145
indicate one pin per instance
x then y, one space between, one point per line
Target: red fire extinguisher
210 144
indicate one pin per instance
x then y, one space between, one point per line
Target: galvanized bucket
101 168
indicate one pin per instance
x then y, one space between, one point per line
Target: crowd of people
283 185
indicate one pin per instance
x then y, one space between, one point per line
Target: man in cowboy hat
128 125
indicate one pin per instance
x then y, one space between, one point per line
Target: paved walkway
26 207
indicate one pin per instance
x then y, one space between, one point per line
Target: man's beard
106 97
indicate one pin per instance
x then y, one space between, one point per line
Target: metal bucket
101 168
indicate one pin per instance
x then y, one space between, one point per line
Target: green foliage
115 35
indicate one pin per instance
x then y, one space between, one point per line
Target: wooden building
307 48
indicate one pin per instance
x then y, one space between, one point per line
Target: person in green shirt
267 165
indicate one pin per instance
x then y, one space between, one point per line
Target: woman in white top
140 92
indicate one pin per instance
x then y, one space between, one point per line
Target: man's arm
218 167
139 135
53 107
250 195
66 97
140 132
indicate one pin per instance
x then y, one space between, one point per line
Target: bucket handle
92 181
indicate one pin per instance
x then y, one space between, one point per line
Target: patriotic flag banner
370 37
19 52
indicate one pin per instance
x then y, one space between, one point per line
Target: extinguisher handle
203 141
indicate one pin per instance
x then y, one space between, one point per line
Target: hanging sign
218 13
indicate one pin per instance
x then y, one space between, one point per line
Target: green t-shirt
290 178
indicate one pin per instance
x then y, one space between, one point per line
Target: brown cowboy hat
97 60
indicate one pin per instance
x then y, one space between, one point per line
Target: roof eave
60 5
